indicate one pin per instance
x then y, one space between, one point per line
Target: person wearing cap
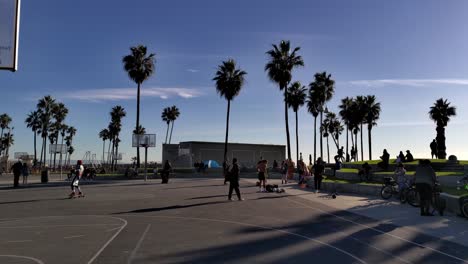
79 169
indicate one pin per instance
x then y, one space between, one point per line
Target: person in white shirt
79 169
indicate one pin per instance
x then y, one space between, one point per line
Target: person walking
17 169
284 172
425 179
166 171
433 147
26 171
233 175
75 186
318 174
261 170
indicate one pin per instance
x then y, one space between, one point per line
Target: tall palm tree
5 121
174 114
165 116
324 131
33 121
440 113
345 116
59 112
8 141
335 128
71 149
323 88
312 107
71 132
140 131
104 135
229 81
361 116
45 106
296 99
139 67
117 113
63 131
354 123
282 60
372 115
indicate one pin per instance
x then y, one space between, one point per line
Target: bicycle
438 204
412 196
463 184
390 188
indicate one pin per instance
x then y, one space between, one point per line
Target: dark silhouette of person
165 172
234 180
364 172
353 153
402 157
275 164
433 146
17 169
318 168
341 154
409 156
385 160
425 179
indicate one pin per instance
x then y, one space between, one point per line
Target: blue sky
407 53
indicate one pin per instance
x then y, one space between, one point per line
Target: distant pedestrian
17 169
385 160
318 168
433 147
167 169
284 172
409 157
26 171
75 186
275 164
262 170
233 175
402 156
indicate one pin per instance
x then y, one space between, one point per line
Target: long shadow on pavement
172 207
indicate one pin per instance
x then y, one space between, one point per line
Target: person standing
17 169
234 180
75 186
433 147
284 172
25 173
318 174
261 170
425 179
165 172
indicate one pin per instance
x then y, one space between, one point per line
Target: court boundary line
23 257
134 251
110 240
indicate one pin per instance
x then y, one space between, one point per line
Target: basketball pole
146 160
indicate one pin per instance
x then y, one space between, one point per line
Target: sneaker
229 199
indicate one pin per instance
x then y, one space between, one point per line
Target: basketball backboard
9 34
145 140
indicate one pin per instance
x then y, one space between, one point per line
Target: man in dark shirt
17 169
233 176
318 174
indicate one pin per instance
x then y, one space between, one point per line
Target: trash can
45 176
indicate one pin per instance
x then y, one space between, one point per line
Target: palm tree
323 88
324 131
296 99
63 130
229 82
140 131
174 114
71 149
5 121
139 68
117 113
59 112
282 60
104 135
440 113
312 107
8 141
33 121
361 117
354 121
165 116
372 115
71 132
45 106
345 116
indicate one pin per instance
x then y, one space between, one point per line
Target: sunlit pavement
191 221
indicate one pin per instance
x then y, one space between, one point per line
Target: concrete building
185 154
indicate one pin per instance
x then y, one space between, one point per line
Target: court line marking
110 240
18 241
113 229
132 255
68 237
23 257
262 227
381 232
47 226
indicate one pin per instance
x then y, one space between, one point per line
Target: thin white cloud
409 82
192 70
118 94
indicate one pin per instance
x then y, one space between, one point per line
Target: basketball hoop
145 141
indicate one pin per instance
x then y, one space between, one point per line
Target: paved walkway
448 227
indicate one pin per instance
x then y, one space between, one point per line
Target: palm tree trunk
108 151
45 150
167 133
328 152
362 148
227 134
55 153
347 132
370 143
103 150
138 124
286 119
60 157
42 151
35 148
297 141
172 127
321 136
440 139
315 139
355 146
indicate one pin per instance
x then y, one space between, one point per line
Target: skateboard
73 196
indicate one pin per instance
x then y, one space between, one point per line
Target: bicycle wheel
386 192
412 197
464 207
403 195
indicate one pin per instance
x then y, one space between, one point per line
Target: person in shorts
261 170
75 185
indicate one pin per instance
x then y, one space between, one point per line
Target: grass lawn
454 191
415 162
334 179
